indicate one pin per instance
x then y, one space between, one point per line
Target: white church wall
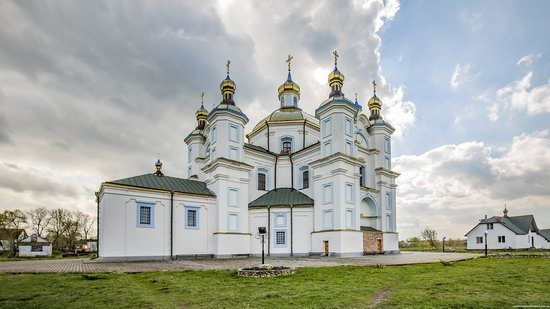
190 240
390 242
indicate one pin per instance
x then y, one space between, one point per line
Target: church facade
320 184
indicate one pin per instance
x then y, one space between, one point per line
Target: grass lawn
476 283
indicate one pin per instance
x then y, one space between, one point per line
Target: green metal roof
369 229
165 183
258 148
282 197
545 234
518 224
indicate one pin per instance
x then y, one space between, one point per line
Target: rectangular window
327 128
501 239
363 177
387 145
192 217
349 148
213 136
233 133
145 214
233 153
280 220
36 248
280 238
328 219
388 163
261 181
388 200
305 179
389 223
479 240
233 222
327 193
350 218
327 147
233 198
349 127
349 193
490 226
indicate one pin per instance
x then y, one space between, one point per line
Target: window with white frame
303 174
327 127
286 145
327 193
233 153
328 219
213 135
501 239
280 238
350 218
36 248
388 200
233 133
261 181
387 145
233 198
363 177
350 198
389 223
279 220
145 214
327 148
191 217
479 240
233 222
349 148
349 127
388 163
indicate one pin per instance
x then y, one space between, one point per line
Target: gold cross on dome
335 53
288 60
202 98
374 85
227 66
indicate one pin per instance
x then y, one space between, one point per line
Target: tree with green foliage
13 224
431 236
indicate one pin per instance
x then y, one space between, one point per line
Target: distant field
476 283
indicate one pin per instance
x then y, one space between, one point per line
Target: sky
92 91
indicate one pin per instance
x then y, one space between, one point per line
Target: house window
280 238
233 222
363 177
490 226
502 239
350 218
233 198
349 127
327 127
388 200
479 240
349 193
191 217
389 223
233 153
36 248
388 163
387 145
233 133
349 148
145 214
303 177
261 181
327 148
328 219
213 136
286 145
327 193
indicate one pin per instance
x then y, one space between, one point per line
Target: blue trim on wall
389 201
198 217
267 172
331 193
286 138
229 197
325 226
238 135
275 245
238 227
280 214
151 205
352 197
353 223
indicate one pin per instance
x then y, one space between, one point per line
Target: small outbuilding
35 246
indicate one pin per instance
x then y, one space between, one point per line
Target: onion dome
375 104
336 78
227 87
505 211
201 115
158 166
289 86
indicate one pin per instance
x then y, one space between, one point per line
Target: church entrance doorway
326 247
379 245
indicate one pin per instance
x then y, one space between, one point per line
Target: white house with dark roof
321 185
507 232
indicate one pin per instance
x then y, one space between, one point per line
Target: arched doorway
370 215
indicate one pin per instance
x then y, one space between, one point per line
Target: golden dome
375 102
287 114
336 77
289 85
228 86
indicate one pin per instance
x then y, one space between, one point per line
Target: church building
320 184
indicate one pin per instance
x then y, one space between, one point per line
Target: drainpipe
267 124
291 233
276 159
304 136
97 201
172 225
291 171
268 230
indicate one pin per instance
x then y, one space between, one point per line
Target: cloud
520 96
473 20
452 186
462 75
528 60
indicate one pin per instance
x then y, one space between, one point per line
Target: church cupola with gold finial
375 104
227 87
336 79
201 115
289 91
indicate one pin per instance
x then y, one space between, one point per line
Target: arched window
303 174
286 145
295 101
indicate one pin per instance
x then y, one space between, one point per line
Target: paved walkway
92 266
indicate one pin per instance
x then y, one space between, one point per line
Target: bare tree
430 235
39 218
73 233
13 222
60 221
88 224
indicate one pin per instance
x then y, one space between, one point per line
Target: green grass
476 283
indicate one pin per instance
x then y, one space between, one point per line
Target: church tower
336 173
226 174
195 142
